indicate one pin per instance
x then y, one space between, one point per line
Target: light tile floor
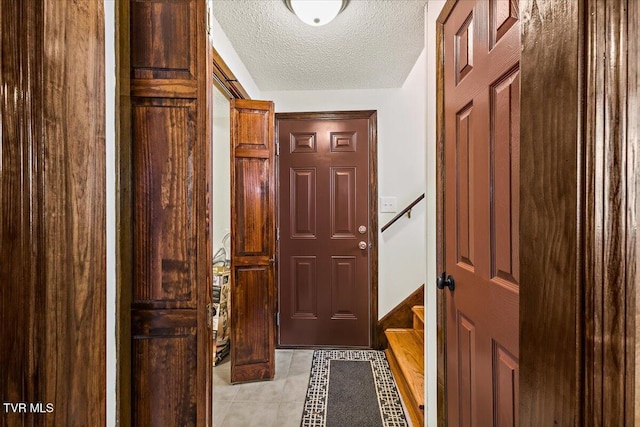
276 403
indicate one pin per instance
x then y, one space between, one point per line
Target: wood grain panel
632 360
465 189
303 142
343 202
163 247
303 203
305 287
167 88
466 371
164 358
610 227
252 129
343 287
163 42
505 177
21 204
250 308
252 203
74 212
505 387
343 141
549 299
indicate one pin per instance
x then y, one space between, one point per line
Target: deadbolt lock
362 229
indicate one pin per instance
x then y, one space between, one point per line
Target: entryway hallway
265 403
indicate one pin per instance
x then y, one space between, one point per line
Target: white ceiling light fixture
316 12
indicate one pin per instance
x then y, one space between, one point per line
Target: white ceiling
371 44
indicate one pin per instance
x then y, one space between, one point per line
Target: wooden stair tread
407 346
418 310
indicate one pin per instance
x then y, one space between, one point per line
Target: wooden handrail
401 214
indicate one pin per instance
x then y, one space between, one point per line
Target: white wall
220 171
432 10
110 142
401 142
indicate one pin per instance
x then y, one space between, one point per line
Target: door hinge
278 233
278 318
277 148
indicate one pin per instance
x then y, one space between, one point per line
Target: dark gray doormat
352 388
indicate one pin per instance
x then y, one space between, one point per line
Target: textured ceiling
371 44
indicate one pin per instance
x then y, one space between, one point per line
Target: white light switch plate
388 204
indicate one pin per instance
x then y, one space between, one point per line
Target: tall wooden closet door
253 240
171 256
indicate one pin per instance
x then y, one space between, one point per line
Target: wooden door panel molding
505 386
343 288
164 222
304 300
327 187
505 177
465 216
252 203
164 348
343 202
303 203
163 42
253 241
303 142
502 16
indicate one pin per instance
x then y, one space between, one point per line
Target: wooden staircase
406 359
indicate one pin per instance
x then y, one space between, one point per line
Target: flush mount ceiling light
316 12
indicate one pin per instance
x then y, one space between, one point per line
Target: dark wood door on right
324 226
481 211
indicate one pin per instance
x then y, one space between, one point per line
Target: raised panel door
253 250
481 211
323 200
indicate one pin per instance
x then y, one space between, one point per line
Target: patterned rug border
315 404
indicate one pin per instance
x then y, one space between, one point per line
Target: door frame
372 117
586 203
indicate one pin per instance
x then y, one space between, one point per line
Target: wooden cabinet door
253 241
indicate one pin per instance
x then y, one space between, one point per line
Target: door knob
448 282
362 245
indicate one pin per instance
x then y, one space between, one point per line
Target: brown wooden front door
253 245
481 211
324 227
